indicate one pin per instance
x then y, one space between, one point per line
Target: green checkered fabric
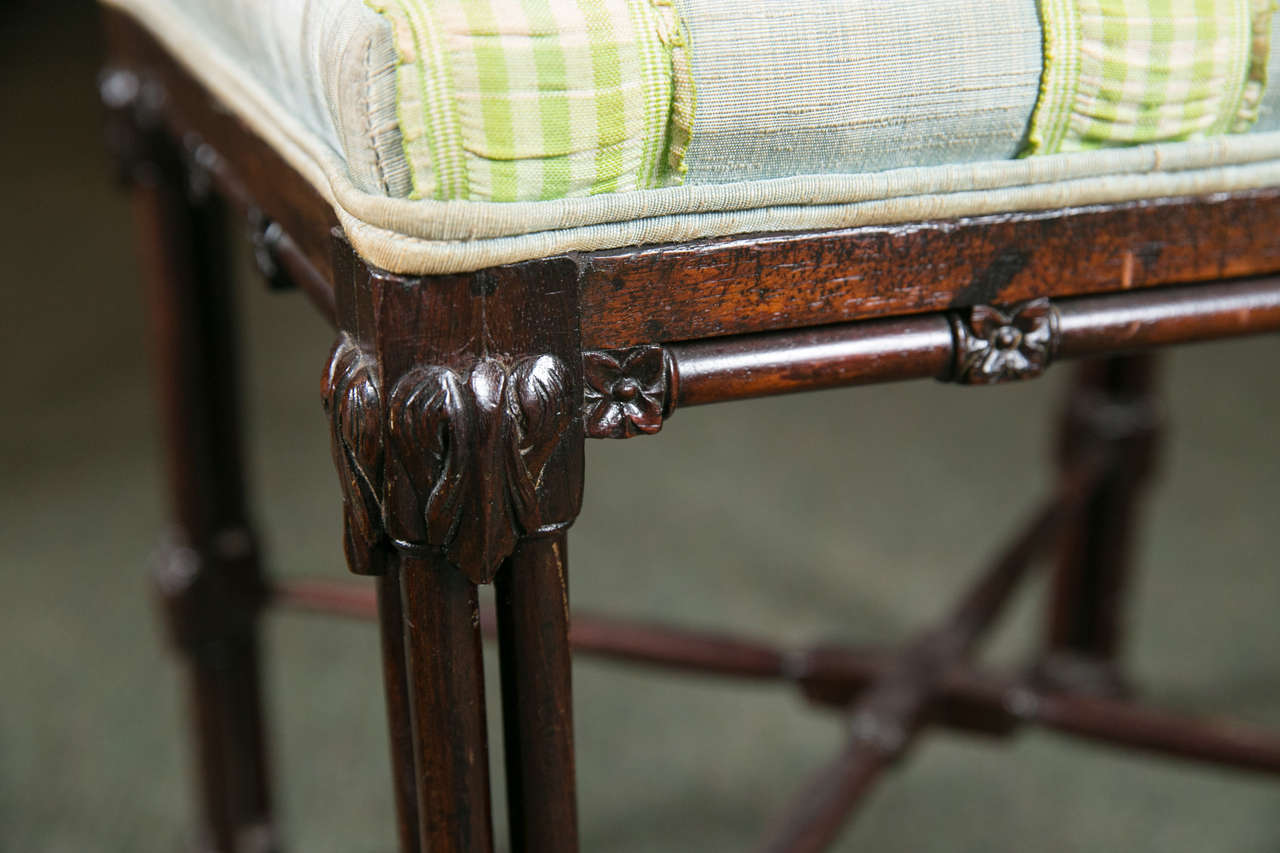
522 100
1123 72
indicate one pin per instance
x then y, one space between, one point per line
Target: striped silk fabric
1124 72
526 100
515 100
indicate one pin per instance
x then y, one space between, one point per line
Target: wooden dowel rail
969 700
675 648
923 346
1093 325
886 718
862 353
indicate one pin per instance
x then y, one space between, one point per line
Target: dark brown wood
462 433
471 449
1102 325
835 676
608 637
755 283
326 597
676 648
771 363
352 398
234 157
458 406
446 700
457 434
1133 727
537 709
626 392
869 351
887 717
395 668
1112 406
208 576
995 345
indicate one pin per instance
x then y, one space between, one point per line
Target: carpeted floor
849 515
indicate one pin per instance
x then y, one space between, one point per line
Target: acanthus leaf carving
428 425
352 402
469 454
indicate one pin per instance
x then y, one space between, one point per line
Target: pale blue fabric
784 87
847 86
329 62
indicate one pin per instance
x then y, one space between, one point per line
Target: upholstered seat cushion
456 133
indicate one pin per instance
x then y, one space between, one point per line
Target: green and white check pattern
529 100
1124 72
522 100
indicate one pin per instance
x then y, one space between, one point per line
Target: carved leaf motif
538 397
489 532
430 427
352 402
465 460
470 453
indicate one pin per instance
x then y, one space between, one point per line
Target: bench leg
537 704
455 411
1111 408
208 575
395 680
447 706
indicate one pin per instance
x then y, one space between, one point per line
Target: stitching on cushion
674 35
367 111
1256 75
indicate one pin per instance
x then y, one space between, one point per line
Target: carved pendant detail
626 391
995 345
354 406
464 455
469 452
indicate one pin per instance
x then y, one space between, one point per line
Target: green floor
850 515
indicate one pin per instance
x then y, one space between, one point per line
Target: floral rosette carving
625 391
995 345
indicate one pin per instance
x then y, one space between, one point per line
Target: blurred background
891 497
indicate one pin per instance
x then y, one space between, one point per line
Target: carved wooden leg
457 433
1112 406
208 575
399 713
533 639
446 690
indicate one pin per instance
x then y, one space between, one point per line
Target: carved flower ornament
625 392
1000 344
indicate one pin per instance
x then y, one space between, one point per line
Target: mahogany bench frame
459 406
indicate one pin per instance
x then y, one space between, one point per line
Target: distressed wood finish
944 346
459 406
755 283
459 444
779 281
